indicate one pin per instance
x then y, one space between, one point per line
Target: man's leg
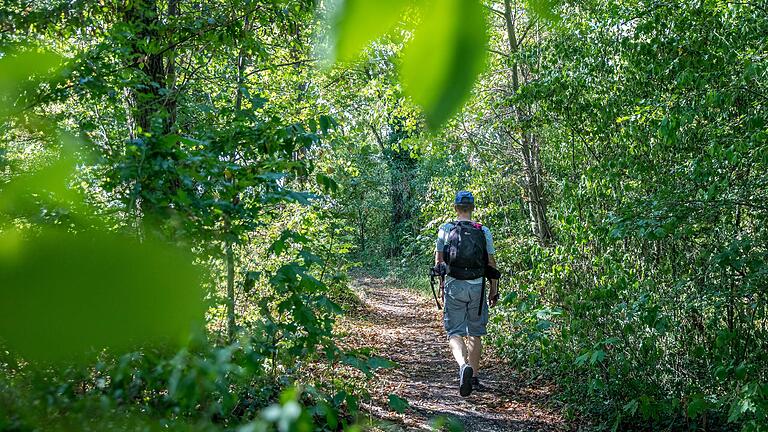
476 327
475 348
459 349
455 320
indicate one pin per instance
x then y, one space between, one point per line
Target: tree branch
498 52
270 67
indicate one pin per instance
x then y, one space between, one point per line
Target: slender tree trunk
230 292
361 224
170 102
228 243
533 182
537 206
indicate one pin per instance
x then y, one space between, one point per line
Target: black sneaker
465 380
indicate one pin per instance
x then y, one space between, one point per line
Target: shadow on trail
406 328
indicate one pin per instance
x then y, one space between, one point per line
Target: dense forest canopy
188 190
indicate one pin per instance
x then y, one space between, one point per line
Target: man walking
465 256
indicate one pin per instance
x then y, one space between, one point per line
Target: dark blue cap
464 197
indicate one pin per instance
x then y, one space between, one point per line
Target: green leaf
445 57
329 305
545 9
278 246
696 406
64 295
738 408
444 423
249 281
741 371
397 403
380 363
357 363
359 22
327 123
328 184
631 407
597 356
310 258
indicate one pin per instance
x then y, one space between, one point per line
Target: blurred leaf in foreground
442 61
445 57
359 22
63 295
20 73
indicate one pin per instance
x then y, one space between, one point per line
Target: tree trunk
151 107
533 183
230 292
361 225
228 243
401 170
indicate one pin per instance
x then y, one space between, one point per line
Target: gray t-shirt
442 237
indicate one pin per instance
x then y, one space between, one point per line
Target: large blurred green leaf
442 61
444 58
18 71
63 294
359 22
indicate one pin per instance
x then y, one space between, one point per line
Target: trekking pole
432 275
442 288
482 299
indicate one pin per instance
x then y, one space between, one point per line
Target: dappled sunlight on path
406 328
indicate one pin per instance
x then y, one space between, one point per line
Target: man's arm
494 282
440 268
439 244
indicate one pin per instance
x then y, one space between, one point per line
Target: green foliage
450 424
646 306
617 151
545 9
155 180
19 72
646 310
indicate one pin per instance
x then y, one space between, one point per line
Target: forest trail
406 328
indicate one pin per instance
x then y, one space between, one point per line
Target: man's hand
440 269
493 296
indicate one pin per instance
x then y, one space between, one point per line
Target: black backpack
465 251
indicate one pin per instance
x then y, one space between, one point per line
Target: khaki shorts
462 301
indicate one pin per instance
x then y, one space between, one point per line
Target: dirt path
406 328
